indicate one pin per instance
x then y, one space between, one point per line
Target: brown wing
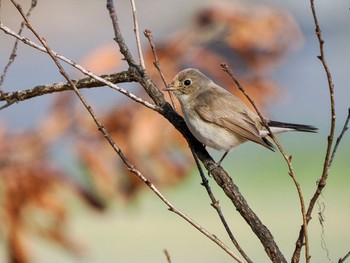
228 112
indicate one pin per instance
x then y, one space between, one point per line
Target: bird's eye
187 82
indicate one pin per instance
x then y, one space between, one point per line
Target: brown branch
215 204
167 255
342 260
340 137
84 83
149 36
137 34
220 176
119 38
326 166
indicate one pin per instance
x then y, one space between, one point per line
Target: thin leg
218 163
222 158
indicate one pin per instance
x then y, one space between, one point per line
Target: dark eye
187 82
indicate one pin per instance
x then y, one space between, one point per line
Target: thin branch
149 36
327 160
143 79
137 34
81 69
14 49
8 103
167 255
84 83
106 134
287 158
343 131
119 38
342 260
215 204
321 205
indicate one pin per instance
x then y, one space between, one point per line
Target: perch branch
220 176
205 182
215 204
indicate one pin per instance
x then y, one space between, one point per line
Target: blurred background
66 197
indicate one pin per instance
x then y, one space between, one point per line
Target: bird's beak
171 87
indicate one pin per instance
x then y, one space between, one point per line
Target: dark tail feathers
297 127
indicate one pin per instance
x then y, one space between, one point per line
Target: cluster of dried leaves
251 40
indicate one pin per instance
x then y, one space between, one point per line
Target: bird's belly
213 135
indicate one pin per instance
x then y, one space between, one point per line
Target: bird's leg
222 158
218 163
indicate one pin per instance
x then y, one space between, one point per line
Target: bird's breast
209 133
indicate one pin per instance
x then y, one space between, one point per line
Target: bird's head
187 81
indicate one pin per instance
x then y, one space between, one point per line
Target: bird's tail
278 127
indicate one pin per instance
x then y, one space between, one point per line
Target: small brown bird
217 118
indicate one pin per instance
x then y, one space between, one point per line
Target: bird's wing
223 109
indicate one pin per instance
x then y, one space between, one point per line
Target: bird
218 119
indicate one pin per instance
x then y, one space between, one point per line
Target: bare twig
327 160
167 255
321 205
118 36
130 167
84 83
340 137
81 69
14 49
144 80
287 158
149 36
7 104
215 204
137 34
342 260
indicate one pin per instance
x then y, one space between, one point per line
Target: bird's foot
213 167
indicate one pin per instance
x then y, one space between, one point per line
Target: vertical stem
137 35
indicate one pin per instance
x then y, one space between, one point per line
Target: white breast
207 133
